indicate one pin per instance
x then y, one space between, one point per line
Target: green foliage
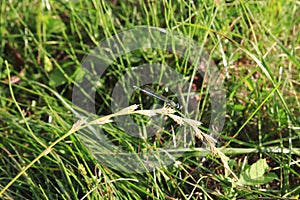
255 44
256 174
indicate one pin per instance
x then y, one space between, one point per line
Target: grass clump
255 45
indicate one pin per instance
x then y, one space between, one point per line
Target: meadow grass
255 44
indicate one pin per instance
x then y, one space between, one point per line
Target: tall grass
255 44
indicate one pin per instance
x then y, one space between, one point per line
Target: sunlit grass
255 44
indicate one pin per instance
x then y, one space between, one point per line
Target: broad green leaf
246 180
255 174
53 25
258 169
239 107
47 64
57 78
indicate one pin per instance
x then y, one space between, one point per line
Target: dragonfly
151 92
